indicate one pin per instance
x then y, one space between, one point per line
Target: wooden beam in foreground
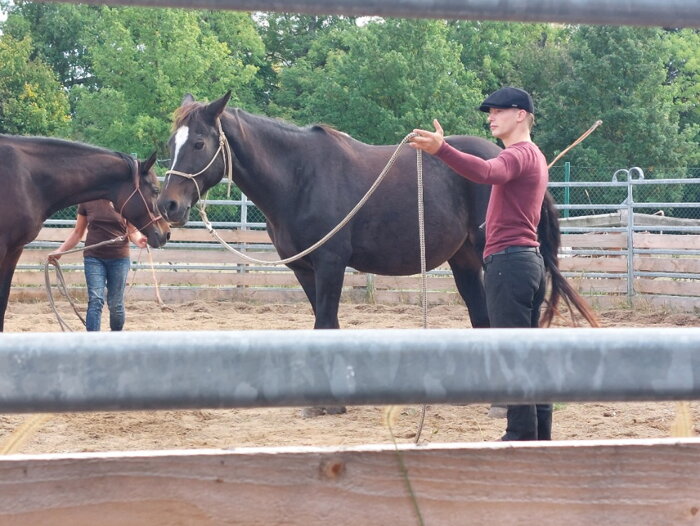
573 483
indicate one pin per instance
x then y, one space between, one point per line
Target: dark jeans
111 274
515 288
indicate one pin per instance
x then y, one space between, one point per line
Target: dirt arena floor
234 428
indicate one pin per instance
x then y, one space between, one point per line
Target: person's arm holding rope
135 236
498 170
73 239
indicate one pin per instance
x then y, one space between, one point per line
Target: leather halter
137 189
225 150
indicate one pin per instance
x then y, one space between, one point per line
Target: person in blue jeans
106 266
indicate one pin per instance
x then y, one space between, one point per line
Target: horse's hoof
498 411
313 412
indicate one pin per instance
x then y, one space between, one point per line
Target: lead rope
351 214
423 264
421 225
62 283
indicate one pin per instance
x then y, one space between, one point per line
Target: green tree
493 51
683 76
144 61
31 99
246 50
56 34
618 75
288 37
380 81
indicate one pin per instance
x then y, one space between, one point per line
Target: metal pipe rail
55 372
669 13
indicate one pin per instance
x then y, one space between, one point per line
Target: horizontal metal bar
673 275
587 184
670 13
584 274
667 252
227 224
612 184
51 372
641 204
669 228
587 252
592 207
589 229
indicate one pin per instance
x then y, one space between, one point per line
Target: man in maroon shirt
514 272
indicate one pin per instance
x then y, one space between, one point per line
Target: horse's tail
550 239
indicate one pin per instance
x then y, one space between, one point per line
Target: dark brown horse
306 180
40 175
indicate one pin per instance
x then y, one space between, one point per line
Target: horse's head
137 203
197 156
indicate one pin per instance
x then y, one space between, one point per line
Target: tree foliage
31 99
124 70
380 81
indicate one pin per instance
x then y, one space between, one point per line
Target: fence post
630 238
629 204
242 268
567 189
244 211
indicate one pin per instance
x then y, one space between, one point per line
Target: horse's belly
393 258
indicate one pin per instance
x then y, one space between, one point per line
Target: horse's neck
265 156
74 176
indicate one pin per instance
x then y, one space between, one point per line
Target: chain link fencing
237 211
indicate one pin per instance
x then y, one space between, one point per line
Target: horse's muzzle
158 236
174 213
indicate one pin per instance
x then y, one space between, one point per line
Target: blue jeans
111 274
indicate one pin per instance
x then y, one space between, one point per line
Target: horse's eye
199 145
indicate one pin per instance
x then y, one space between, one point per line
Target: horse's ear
187 99
148 164
216 108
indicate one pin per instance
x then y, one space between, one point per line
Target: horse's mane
330 130
182 114
56 141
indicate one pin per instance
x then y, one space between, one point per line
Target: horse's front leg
307 279
329 273
8 259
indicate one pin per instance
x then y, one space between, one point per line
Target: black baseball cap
509 97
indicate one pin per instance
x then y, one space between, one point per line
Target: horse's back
385 232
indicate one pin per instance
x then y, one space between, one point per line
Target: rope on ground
22 433
63 288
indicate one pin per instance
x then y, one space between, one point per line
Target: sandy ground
121 431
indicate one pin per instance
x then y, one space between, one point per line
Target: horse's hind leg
9 260
468 278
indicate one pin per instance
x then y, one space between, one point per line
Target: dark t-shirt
104 223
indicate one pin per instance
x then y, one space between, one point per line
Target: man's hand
428 141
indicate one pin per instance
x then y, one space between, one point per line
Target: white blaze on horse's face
181 136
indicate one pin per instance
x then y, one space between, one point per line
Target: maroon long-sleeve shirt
519 177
